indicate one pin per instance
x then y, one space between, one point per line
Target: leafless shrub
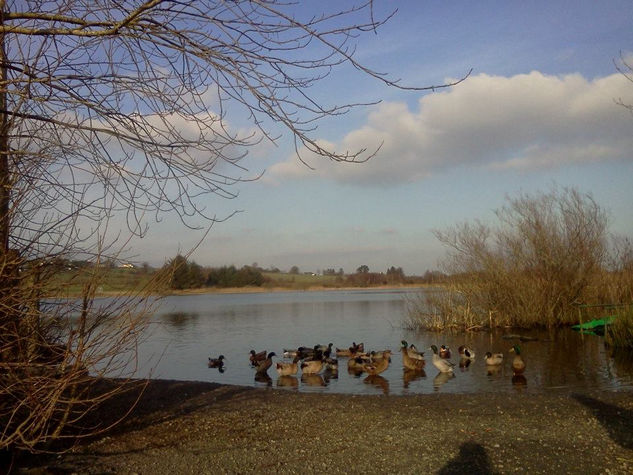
534 267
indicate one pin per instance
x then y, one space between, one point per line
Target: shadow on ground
472 458
617 421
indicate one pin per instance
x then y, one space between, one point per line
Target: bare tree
533 267
111 108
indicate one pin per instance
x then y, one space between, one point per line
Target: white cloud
528 121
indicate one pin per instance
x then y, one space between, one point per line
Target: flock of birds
325 359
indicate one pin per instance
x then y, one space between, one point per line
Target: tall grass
620 333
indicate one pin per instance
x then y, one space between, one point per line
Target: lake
186 330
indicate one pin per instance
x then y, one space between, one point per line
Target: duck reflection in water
519 381
464 363
378 381
441 379
312 380
410 375
264 379
288 381
493 370
330 374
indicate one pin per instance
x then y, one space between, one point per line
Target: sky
539 110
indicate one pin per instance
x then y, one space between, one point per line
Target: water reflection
411 375
314 380
441 379
378 381
263 378
228 324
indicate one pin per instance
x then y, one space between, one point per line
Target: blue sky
538 109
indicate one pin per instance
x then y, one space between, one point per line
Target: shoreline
189 427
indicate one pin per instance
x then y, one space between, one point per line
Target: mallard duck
255 358
331 364
518 365
324 348
465 352
312 366
408 362
415 353
443 365
262 366
216 362
445 352
493 359
355 364
412 351
288 369
379 365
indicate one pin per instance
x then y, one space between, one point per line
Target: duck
493 359
408 362
518 365
331 364
378 366
216 362
324 348
288 369
355 364
443 365
255 358
351 351
262 366
445 352
466 352
312 366
414 353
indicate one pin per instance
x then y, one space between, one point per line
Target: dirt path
208 428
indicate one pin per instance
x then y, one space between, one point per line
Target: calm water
186 330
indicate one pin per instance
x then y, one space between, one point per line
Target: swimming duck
256 358
465 352
216 362
288 369
518 365
493 359
445 351
441 364
378 365
412 351
331 364
408 362
312 366
262 366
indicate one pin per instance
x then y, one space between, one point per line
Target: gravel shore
189 427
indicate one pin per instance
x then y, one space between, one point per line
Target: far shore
261 290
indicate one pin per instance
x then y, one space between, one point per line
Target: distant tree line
185 274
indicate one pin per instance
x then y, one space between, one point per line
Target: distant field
280 279
117 280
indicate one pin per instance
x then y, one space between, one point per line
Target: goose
518 365
262 366
493 359
216 362
443 365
